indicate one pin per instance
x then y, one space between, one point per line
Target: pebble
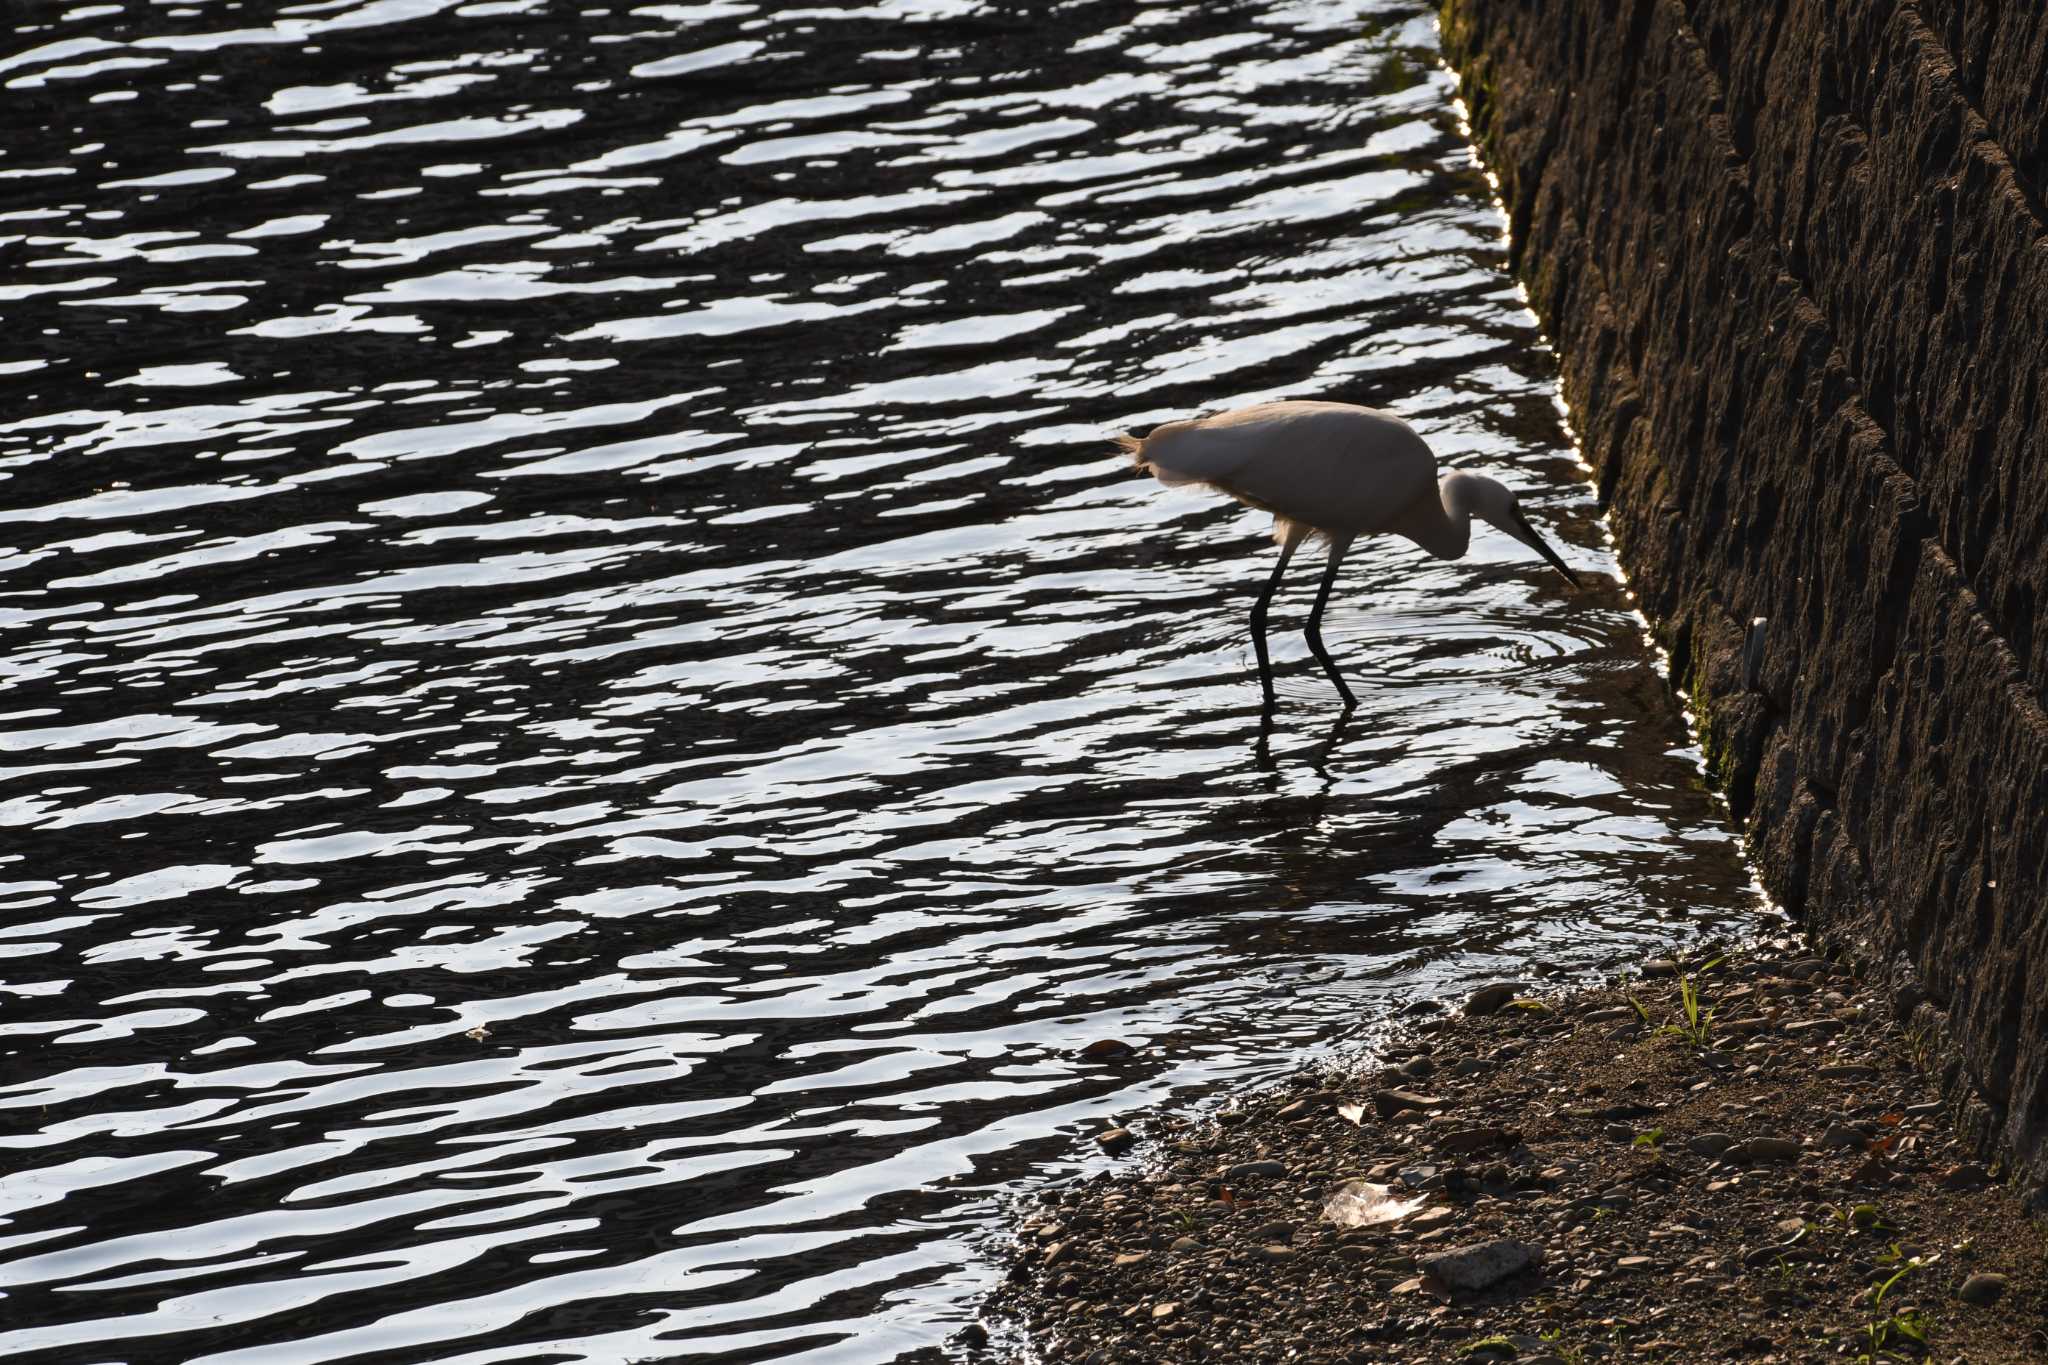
1165 1310
1842 1135
1480 1265
1625 1111
1256 1170
1187 1244
1115 1140
1131 1258
1660 966
1465 1141
1770 1255
1492 998
1983 1288
1711 1144
1392 1102
1764 1149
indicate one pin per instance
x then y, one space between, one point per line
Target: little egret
1338 471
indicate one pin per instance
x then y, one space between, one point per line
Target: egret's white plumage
1335 470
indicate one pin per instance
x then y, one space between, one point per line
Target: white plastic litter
1362 1204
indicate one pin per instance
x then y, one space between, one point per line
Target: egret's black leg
1315 623
1259 617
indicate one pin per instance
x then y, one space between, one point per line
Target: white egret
1335 470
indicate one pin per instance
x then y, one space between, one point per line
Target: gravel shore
1761 1174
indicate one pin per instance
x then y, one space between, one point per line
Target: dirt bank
1763 1176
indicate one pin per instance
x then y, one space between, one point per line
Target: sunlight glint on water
592 722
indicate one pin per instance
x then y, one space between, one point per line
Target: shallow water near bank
592 721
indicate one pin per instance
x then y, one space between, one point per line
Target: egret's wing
1225 448
1332 466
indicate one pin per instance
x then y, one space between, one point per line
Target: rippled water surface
591 721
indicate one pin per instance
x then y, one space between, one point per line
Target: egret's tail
1157 455
1134 446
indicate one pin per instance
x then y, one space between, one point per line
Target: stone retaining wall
1793 257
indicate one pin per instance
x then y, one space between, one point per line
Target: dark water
590 721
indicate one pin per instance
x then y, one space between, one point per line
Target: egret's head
1493 502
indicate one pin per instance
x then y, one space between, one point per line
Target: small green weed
1698 1023
1570 1355
1899 1335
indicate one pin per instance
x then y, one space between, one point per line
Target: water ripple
592 721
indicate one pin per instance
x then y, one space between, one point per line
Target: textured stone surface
1481 1265
1794 262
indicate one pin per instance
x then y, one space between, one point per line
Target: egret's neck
1441 525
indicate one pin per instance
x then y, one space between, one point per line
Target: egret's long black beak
1543 548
